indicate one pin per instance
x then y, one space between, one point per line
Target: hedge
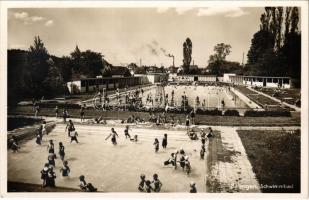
253 113
231 113
209 112
60 105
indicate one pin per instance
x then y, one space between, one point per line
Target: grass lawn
258 98
200 119
286 95
17 122
275 157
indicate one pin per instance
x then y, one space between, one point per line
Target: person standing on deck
82 112
57 111
187 123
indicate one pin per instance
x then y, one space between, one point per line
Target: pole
208 101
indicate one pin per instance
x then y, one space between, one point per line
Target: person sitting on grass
14 144
65 170
99 120
86 187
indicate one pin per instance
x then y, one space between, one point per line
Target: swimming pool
207 97
199 96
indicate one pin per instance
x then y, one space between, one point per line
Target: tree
91 63
187 53
53 82
217 60
37 68
65 66
76 56
276 48
222 50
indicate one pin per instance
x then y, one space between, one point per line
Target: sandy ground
111 168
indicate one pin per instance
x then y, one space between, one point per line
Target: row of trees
36 74
276 48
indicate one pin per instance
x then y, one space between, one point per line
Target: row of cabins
258 81
86 85
94 84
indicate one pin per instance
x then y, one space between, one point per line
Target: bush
231 113
209 112
60 105
253 113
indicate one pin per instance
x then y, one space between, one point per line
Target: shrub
209 112
231 113
253 113
60 105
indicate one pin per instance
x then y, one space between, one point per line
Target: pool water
208 97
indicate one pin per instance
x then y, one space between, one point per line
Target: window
83 83
286 81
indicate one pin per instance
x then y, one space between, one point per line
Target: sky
125 35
